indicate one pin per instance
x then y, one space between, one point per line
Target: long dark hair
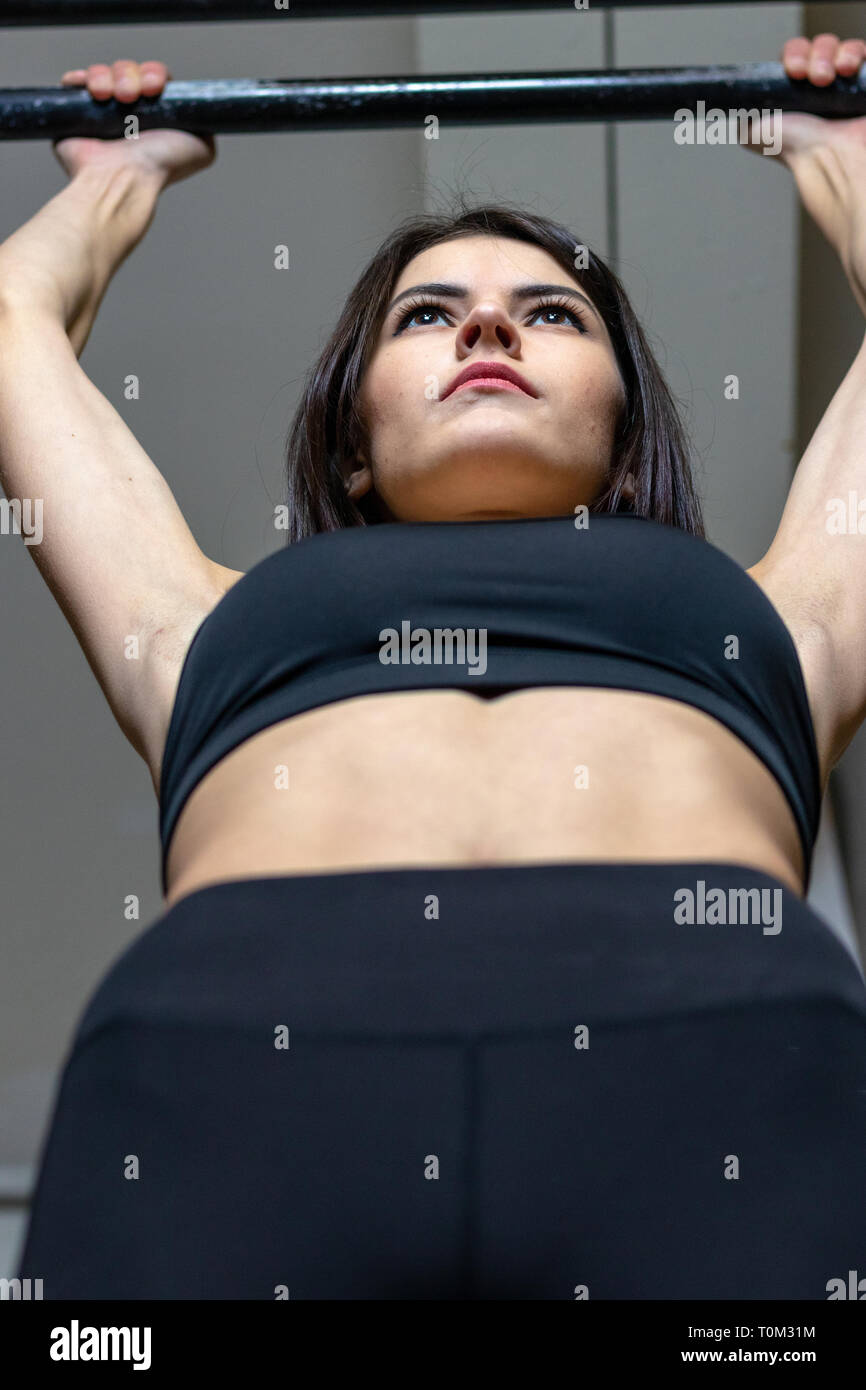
327 431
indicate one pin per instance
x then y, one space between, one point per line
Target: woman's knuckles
124 79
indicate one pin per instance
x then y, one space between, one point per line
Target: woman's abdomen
449 778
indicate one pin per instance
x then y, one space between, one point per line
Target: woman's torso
444 776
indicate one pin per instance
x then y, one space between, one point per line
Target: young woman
487 804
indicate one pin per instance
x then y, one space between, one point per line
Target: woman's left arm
815 568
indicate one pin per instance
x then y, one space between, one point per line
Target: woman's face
486 451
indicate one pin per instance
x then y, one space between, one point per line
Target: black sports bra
492 606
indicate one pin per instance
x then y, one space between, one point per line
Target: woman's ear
359 481
628 487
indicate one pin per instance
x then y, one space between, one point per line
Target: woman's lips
497 383
490 374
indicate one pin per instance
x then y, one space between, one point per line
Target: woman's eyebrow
518 294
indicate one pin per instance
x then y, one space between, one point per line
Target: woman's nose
488 321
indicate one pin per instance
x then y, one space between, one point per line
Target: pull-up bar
244 106
58 12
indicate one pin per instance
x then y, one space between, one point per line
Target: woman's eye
432 313
432 309
560 309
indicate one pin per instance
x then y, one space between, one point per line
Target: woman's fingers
124 80
823 58
850 56
127 80
100 81
822 64
153 78
795 57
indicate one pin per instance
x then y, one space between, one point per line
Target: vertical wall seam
610 148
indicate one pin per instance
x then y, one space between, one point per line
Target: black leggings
521 1082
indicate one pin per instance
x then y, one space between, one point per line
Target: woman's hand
169 155
60 262
826 156
819 61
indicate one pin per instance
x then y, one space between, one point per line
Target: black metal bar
239 107
60 12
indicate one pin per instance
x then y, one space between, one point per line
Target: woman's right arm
109 538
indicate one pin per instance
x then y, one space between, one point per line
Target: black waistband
415 951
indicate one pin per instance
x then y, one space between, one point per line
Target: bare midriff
447 778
